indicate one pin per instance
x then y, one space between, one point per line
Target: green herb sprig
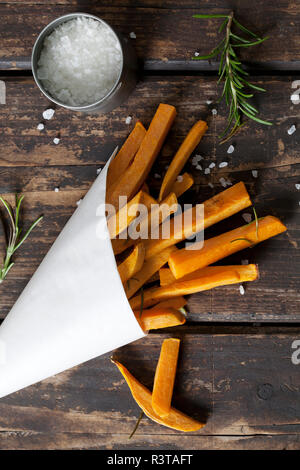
15 238
137 424
233 75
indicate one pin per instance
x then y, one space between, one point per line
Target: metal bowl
122 88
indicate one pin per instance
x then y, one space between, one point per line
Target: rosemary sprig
233 74
136 424
14 239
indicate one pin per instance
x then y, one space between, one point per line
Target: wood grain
167 35
237 382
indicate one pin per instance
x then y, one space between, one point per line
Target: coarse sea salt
254 173
291 130
157 176
48 114
128 120
242 290
80 62
198 167
247 217
210 185
207 171
56 190
99 171
211 165
40 127
132 35
179 178
230 149
56 140
214 112
223 164
223 182
297 185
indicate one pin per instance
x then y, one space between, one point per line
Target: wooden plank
89 139
32 164
167 36
117 442
245 385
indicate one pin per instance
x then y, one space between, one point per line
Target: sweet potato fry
180 187
142 396
186 261
166 277
150 224
135 175
210 277
165 377
126 154
186 148
219 207
149 268
133 263
155 318
123 218
173 302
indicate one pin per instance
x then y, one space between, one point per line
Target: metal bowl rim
41 37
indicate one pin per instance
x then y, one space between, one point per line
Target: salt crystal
291 130
297 186
179 178
223 164
228 182
40 127
212 165
245 262
198 167
230 149
210 185
132 35
48 114
214 112
247 217
242 290
128 119
223 182
207 171
196 54
196 159
56 140
254 173
208 102
99 171
80 61
56 190
78 202
157 176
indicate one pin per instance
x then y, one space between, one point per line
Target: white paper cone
73 309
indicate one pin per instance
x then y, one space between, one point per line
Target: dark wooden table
235 366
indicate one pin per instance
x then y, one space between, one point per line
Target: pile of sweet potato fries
180 272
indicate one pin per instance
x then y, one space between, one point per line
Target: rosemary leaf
231 72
